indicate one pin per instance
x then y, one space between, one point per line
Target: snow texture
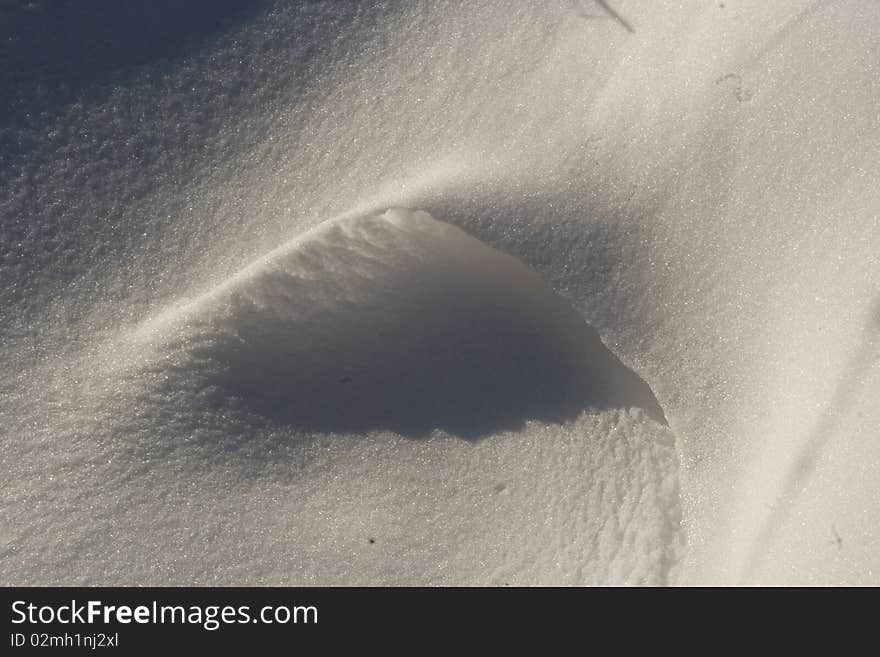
638 342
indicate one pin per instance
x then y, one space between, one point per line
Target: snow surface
199 270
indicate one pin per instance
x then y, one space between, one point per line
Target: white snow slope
440 292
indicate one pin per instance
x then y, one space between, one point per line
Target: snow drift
399 322
696 182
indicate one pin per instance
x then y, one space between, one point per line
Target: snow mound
400 322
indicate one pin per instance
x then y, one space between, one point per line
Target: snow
400 322
666 211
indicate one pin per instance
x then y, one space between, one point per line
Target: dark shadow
76 43
471 342
56 53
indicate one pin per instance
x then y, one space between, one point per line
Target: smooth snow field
440 293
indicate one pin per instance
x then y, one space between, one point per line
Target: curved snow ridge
397 321
399 326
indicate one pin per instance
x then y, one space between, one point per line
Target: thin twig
620 19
